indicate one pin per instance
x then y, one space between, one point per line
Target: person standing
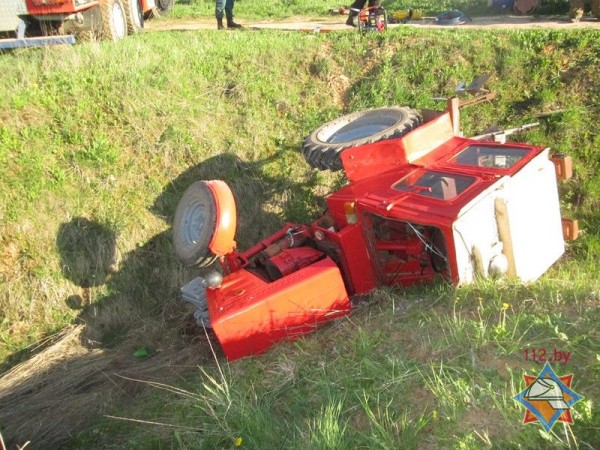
576 9
356 7
225 7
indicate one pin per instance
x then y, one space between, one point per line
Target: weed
328 430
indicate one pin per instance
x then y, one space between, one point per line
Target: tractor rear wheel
114 23
322 148
194 226
134 16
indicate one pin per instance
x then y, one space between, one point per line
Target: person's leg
576 10
219 11
357 5
229 14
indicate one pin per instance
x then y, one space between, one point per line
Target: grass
385 380
97 144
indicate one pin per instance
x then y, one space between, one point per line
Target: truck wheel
87 36
134 16
93 32
162 8
322 148
114 24
194 226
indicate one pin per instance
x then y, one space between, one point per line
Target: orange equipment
373 18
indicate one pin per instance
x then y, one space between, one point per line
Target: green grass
98 142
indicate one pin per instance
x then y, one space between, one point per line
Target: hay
50 397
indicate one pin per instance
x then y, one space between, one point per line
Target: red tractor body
249 313
424 205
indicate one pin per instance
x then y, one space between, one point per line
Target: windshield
443 186
494 157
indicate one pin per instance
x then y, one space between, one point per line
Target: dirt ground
336 23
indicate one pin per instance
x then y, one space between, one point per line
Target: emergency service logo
548 398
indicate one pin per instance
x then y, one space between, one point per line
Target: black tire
134 16
87 36
94 31
322 148
194 226
114 22
162 8
437 250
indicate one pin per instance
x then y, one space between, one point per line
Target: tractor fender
223 241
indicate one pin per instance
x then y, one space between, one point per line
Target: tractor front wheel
114 23
194 226
322 148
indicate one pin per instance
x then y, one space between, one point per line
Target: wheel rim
194 218
371 123
119 22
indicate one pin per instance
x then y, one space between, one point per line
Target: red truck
90 20
421 202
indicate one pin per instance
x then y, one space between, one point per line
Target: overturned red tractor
421 202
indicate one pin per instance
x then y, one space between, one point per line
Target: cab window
443 186
489 156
